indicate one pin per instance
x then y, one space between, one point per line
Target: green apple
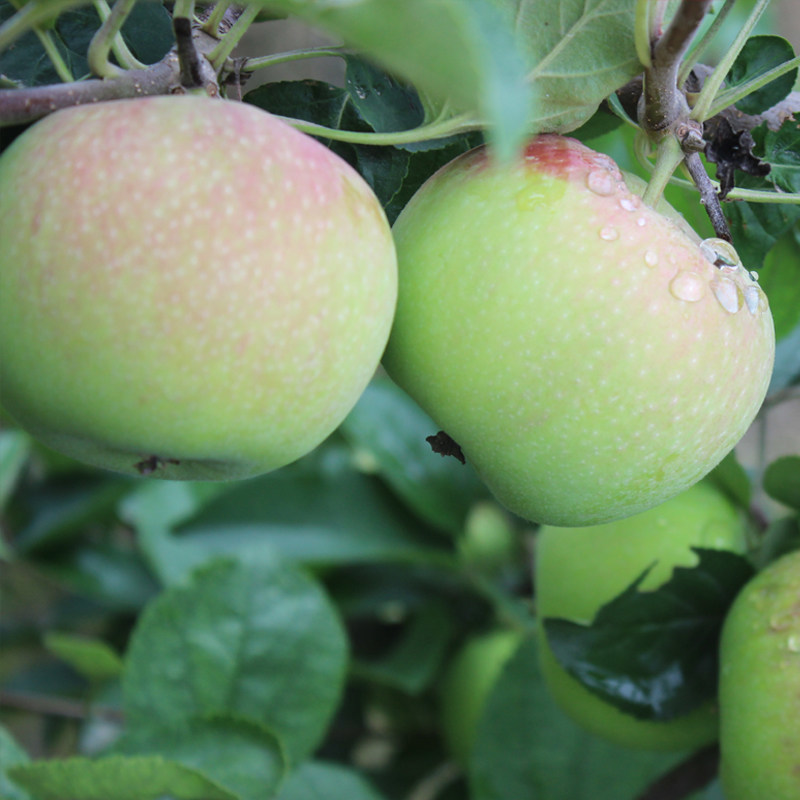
588 353
466 684
578 570
189 287
759 687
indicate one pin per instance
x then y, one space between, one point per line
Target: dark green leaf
729 477
388 428
11 754
780 279
309 100
237 755
654 654
353 518
382 102
58 511
759 55
526 747
413 660
257 641
116 778
780 538
782 481
148 31
781 149
319 780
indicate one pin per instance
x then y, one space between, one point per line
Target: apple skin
759 688
189 287
578 570
466 684
540 323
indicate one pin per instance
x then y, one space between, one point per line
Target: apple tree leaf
759 55
460 55
782 481
654 654
116 778
259 641
781 537
388 428
779 277
787 362
11 754
237 754
14 451
321 780
526 747
781 148
92 658
577 53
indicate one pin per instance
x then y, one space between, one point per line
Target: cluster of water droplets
734 288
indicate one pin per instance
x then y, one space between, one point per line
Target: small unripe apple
466 685
578 570
759 687
588 353
189 287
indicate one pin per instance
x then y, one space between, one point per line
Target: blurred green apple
759 687
189 287
465 687
578 570
588 353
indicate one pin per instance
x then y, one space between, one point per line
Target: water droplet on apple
720 253
651 258
601 182
688 286
641 222
609 233
727 293
794 643
751 299
629 203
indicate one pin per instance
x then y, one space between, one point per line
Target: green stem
253 64
731 96
696 52
54 54
225 46
713 82
107 37
121 52
668 157
183 8
438 129
642 32
211 25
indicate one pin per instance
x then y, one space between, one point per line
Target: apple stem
708 196
103 40
121 12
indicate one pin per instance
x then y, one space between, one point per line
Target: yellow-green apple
578 570
759 687
189 287
590 355
466 685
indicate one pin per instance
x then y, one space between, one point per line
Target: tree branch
686 778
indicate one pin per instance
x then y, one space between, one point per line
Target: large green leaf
116 778
782 481
759 55
259 641
459 54
526 747
578 52
11 754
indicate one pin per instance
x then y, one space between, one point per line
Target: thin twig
708 195
686 778
48 705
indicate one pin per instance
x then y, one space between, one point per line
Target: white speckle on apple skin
194 279
565 363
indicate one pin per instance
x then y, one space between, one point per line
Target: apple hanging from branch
589 354
189 288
